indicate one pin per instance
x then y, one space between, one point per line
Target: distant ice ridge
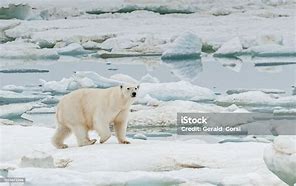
267 91
26 51
256 98
266 47
280 158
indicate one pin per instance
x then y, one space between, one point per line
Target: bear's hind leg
81 134
60 135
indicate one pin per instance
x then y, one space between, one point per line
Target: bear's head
129 91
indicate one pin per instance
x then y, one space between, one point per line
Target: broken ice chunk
229 49
7 97
186 46
280 158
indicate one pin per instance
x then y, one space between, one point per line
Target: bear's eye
135 88
127 88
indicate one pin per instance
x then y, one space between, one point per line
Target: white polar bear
94 109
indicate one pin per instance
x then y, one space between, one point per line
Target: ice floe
181 90
271 50
256 98
267 91
26 51
7 97
230 48
14 110
18 11
165 113
186 46
147 161
14 88
73 49
280 158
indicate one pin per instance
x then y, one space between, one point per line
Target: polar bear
94 109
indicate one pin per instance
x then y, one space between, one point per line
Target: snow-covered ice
7 97
280 158
257 98
172 161
175 91
185 46
230 49
14 110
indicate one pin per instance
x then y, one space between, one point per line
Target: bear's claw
63 146
125 142
93 141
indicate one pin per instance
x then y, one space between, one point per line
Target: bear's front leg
120 126
103 129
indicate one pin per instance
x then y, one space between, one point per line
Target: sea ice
230 49
267 91
7 97
26 51
14 110
186 46
147 161
280 158
271 50
181 90
73 49
149 79
256 98
38 160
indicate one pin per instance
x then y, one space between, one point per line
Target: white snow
37 159
280 158
145 161
186 46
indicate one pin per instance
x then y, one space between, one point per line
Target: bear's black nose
134 94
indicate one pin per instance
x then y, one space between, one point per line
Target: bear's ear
138 86
121 86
